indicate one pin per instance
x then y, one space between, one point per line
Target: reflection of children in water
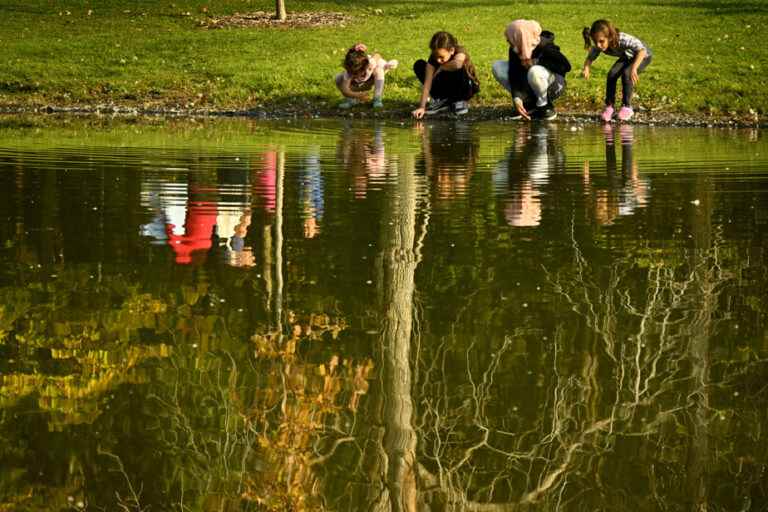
234 215
449 152
362 153
198 230
311 192
185 216
531 160
265 182
626 191
236 252
195 217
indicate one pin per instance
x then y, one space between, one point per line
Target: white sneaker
460 107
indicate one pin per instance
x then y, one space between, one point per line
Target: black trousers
450 85
622 68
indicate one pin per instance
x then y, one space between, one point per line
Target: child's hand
521 109
585 72
633 75
419 112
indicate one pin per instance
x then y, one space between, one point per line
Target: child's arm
429 75
636 64
594 53
518 83
347 91
456 63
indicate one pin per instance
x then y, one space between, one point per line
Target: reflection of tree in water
254 433
643 390
449 156
283 420
630 389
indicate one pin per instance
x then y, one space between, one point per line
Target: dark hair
446 41
355 61
604 27
443 40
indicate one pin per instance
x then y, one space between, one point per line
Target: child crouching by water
448 77
535 71
362 72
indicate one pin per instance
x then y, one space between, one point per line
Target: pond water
323 315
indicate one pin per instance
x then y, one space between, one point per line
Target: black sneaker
460 107
545 113
437 105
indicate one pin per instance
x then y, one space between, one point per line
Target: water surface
239 315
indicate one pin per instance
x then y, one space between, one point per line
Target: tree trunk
280 13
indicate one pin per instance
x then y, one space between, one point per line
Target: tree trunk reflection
395 466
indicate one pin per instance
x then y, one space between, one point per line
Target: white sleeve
630 42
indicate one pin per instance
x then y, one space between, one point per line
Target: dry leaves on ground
266 19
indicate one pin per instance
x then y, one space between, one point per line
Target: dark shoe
545 113
460 107
438 105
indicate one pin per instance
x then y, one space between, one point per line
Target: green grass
152 54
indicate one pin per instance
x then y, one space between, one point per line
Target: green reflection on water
233 315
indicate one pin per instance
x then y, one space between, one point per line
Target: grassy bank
708 55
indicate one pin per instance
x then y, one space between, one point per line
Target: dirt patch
259 19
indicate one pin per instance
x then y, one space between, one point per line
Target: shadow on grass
719 6
394 110
19 8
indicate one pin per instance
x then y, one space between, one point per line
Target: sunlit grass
706 53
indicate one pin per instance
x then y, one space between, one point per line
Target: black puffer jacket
546 54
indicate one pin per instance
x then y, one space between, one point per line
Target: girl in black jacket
535 72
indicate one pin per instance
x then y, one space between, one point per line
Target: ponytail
587 38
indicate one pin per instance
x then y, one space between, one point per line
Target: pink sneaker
626 113
607 114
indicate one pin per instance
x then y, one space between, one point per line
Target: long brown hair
447 41
604 27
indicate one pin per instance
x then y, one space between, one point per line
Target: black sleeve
518 75
552 59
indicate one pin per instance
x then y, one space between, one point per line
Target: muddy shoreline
478 113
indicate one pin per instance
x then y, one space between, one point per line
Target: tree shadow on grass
719 6
20 8
440 5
